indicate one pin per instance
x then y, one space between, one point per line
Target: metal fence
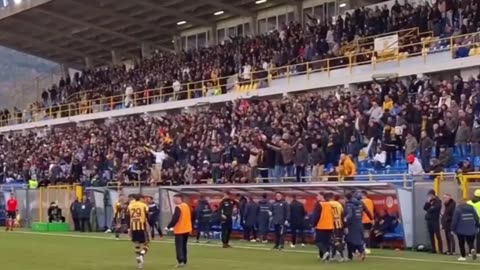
34 203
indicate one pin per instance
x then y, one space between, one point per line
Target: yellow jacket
348 167
388 105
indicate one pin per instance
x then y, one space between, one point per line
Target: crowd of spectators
309 136
208 68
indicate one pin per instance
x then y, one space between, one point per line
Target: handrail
404 179
199 89
357 43
400 38
83 93
71 96
465 180
391 33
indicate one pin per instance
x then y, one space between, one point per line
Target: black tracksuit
432 216
280 218
204 217
297 224
75 210
250 220
226 213
84 214
153 218
447 218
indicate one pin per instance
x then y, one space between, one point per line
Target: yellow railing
366 42
62 195
254 81
466 180
83 94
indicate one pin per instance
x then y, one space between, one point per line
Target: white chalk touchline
165 241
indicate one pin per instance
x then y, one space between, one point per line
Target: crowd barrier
399 179
34 203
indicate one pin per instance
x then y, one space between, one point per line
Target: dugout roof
289 189
67 31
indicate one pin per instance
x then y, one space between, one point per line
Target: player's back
138 215
118 209
121 209
337 214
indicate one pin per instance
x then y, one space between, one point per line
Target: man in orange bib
323 217
366 220
182 227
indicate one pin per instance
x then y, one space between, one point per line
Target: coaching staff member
323 219
280 219
297 221
226 213
433 208
465 223
182 227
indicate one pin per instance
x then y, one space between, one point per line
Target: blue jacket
251 214
353 222
203 211
153 212
85 210
280 212
465 220
264 211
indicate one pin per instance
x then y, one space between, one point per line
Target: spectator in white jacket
414 165
129 97
379 159
375 113
177 87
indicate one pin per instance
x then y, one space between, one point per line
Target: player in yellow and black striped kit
138 214
120 216
338 243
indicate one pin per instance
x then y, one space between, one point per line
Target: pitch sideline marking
244 247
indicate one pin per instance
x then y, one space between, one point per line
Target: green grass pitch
25 250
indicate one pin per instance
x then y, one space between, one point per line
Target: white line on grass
248 247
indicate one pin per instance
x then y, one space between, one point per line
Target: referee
182 227
226 212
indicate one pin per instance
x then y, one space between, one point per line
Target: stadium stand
271 140
242 61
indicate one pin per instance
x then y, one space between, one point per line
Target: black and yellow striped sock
145 249
138 250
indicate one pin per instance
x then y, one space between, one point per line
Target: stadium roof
68 31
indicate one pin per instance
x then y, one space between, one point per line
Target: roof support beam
172 11
290 2
55 59
40 43
51 32
121 16
99 28
229 7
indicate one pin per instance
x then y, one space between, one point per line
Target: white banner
406 210
363 155
386 43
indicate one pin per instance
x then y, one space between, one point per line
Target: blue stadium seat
397 234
